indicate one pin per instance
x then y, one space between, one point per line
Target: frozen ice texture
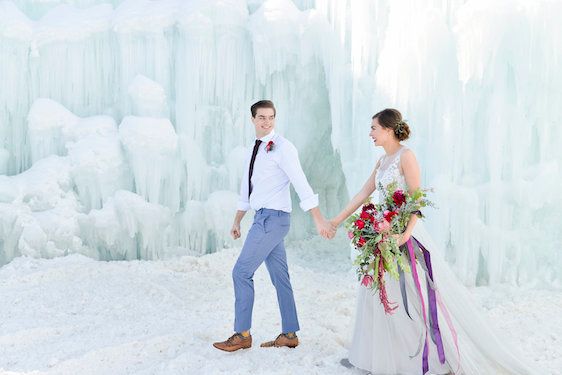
478 81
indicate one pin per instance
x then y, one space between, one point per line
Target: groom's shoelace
230 340
291 337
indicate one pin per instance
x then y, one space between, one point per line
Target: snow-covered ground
75 315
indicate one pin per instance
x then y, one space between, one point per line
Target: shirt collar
268 137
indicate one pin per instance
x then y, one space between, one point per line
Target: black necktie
254 153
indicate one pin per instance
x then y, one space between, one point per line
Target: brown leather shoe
234 342
282 340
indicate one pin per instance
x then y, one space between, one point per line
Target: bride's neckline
388 159
394 153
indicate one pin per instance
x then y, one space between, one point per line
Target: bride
457 340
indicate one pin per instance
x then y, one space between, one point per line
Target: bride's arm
367 189
411 171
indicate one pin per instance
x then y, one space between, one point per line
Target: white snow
71 24
127 227
151 145
145 15
74 315
38 212
46 121
275 27
148 98
92 145
4 158
15 24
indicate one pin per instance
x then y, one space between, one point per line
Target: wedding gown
394 344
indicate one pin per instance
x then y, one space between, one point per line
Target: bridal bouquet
374 233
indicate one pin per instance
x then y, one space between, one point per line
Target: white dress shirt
273 172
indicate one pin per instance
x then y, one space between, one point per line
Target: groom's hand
235 231
333 228
325 229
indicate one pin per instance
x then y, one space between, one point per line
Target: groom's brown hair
262 104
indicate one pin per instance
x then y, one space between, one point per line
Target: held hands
325 228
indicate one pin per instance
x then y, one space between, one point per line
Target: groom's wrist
316 214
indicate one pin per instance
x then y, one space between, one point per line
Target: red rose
360 224
368 207
361 242
269 146
388 215
365 216
399 198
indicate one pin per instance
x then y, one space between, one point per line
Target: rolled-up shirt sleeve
244 200
291 165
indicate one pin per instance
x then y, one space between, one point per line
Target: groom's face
264 121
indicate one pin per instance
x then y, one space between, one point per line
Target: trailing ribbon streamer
448 320
434 300
403 291
425 361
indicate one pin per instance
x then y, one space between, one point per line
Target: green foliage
375 238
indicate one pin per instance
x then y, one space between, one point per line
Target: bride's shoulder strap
402 151
379 162
411 156
398 160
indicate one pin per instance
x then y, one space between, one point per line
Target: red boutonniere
269 146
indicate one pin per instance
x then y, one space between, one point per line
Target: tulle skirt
393 344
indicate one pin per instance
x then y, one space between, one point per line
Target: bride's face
379 134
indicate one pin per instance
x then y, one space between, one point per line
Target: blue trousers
264 243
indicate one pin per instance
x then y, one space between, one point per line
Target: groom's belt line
270 211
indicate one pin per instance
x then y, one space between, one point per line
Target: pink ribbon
425 361
427 259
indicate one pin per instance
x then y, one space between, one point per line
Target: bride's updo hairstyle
392 119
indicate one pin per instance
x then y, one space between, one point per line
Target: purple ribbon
433 320
411 251
432 302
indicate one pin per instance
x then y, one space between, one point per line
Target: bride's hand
401 239
325 228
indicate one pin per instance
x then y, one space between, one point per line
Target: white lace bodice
388 170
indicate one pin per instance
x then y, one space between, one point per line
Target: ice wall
179 78
478 81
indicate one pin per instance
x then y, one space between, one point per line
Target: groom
272 166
